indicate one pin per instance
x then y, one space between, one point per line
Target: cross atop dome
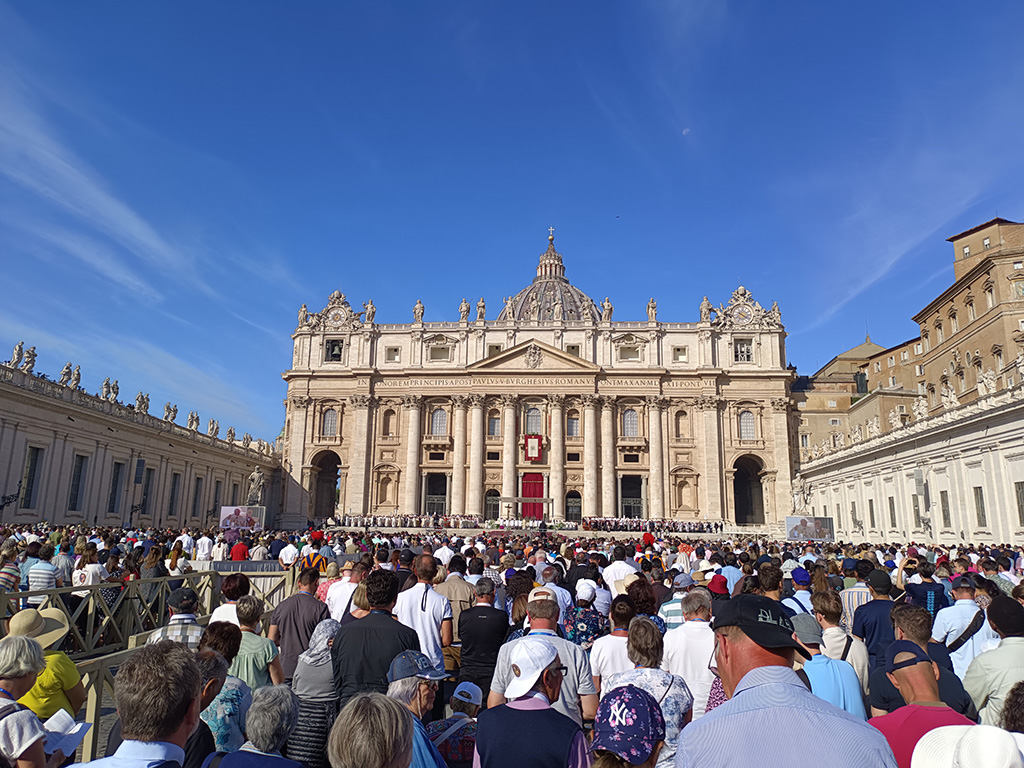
551 260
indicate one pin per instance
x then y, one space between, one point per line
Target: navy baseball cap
762 620
904 646
629 723
800 576
413 664
849 564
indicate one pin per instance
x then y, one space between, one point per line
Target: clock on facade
336 317
743 314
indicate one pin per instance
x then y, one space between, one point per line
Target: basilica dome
550 297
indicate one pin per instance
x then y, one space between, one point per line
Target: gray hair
20 656
249 610
372 731
272 717
403 691
645 645
212 665
692 602
484 587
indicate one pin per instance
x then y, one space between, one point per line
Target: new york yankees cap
628 723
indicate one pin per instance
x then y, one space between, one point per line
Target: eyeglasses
560 670
431 684
713 663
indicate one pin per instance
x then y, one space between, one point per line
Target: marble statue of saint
230 436
534 307
246 440
557 311
874 429
30 360
705 310
652 310
801 493
510 308
481 309
371 311
105 389
840 439
949 397
17 354
920 408
895 422
303 315
140 402
988 380
464 311
775 314
606 310
76 377
255 495
65 374
114 391
174 412
417 312
212 428
167 412
858 434
1020 367
145 402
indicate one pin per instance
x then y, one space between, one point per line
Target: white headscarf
319 652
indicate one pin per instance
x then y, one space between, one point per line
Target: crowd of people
528 648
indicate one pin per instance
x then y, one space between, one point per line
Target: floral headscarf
319 652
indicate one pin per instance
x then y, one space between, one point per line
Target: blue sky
177 178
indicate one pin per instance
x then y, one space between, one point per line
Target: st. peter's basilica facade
552 408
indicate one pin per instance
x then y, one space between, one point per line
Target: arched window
389 424
533 426
329 425
682 424
747 431
494 424
385 490
572 424
630 424
439 422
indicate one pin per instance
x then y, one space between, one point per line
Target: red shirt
239 552
904 727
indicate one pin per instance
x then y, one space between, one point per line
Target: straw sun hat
48 626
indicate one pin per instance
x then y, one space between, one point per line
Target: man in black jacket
364 649
482 629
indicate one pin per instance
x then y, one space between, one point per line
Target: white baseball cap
529 658
586 589
469 693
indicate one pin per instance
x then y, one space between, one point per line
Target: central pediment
532 357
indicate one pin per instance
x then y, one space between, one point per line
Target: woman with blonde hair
21 733
372 731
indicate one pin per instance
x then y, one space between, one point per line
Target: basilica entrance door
436 501
632 496
492 505
573 507
533 488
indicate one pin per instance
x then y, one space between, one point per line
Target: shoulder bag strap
846 648
971 631
804 678
443 736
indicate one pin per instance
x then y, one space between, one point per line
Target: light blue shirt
770 718
140 754
424 753
732 575
836 681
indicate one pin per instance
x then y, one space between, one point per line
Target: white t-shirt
226 612
688 651
608 656
338 595
93 573
424 613
617 571
204 548
289 554
18 731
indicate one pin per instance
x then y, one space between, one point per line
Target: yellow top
47 695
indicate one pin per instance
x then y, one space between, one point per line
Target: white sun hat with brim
47 626
969 746
528 659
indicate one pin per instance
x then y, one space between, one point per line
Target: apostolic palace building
551 407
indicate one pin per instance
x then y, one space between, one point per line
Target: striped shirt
182 628
671 612
853 598
772 717
42 575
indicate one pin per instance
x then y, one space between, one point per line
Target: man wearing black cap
754 653
993 673
404 569
871 622
182 627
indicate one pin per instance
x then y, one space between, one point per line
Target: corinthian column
556 457
590 403
459 456
656 485
359 456
509 449
475 507
609 507
412 405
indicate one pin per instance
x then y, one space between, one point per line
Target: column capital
460 401
476 400
656 402
556 401
608 403
590 401
361 401
509 401
412 402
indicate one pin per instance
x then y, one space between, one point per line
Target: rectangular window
919 370
234 494
440 354
393 355
435 456
631 458
147 486
493 349
939 333
990 298
1018 488
892 381
831 403
197 495
805 441
979 506
172 502
891 361
77 473
572 426
494 426
572 457
892 513
1018 265
947 518
967 251
679 354
743 352
833 422
114 497
629 353
839 518
971 314
140 467
986 243
904 356
871 513
801 405
878 366
30 478
853 511
918 348
217 486
493 456
572 349
954 324
915 500
332 350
